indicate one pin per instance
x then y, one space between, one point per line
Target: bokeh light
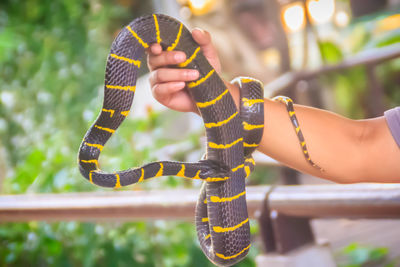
321 11
201 7
342 19
198 4
293 17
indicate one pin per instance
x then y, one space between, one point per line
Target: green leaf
390 38
330 52
378 254
30 170
351 247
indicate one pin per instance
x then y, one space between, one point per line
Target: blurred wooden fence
283 212
315 201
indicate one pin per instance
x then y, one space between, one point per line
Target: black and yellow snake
232 135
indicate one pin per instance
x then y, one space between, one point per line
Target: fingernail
180 84
193 74
199 29
179 57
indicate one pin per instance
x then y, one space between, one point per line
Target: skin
349 151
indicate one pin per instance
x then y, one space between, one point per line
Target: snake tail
296 125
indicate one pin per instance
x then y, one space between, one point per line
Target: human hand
168 84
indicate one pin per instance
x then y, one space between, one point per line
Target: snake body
232 135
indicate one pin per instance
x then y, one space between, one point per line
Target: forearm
329 140
347 150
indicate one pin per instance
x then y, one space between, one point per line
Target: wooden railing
349 201
282 211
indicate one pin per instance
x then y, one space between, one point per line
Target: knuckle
152 77
157 91
158 76
156 61
152 62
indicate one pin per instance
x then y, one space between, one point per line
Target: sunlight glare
293 17
198 4
201 7
342 19
321 11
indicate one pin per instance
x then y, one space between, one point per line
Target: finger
165 58
163 92
203 38
155 49
164 75
173 95
181 101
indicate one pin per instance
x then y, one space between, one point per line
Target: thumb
203 38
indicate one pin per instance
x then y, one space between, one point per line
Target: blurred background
338 55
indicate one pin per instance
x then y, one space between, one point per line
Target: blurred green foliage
73 244
351 87
52 55
358 255
52 58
